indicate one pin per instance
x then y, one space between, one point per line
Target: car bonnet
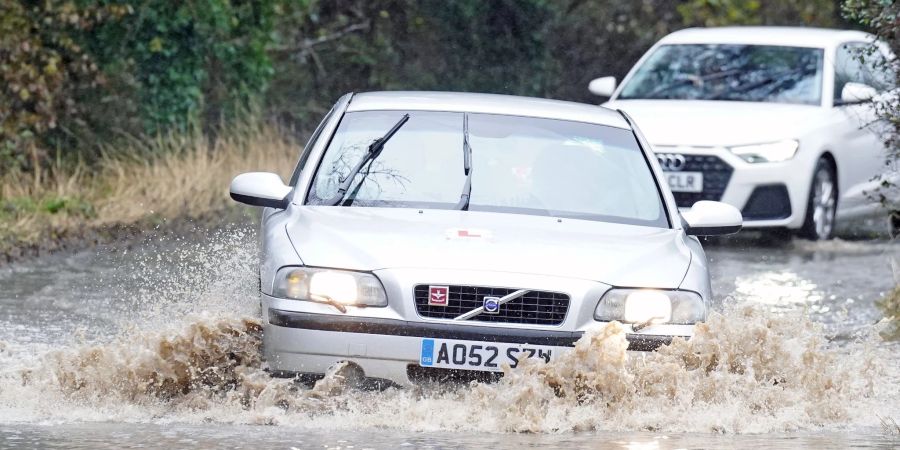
721 123
369 239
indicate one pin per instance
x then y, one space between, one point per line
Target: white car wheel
822 205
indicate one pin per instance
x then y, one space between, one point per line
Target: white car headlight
770 152
329 285
651 305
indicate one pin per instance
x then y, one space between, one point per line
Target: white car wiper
372 152
696 80
463 204
773 82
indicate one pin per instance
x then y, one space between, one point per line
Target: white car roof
786 36
488 104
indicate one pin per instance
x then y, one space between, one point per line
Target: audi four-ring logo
671 161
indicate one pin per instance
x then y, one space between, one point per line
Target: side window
847 68
307 149
861 63
878 71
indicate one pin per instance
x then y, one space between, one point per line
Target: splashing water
187 350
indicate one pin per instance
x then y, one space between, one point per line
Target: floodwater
157 345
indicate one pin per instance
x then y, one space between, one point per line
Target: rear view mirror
260 189
857 93
603 87
708 218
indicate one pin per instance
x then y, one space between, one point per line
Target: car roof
786 36
488 104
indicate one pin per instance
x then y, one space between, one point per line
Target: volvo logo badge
671 162
492 305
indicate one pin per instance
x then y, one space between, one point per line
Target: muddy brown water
157 345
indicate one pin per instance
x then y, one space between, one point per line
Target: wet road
81 335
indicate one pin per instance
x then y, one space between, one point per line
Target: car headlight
651 305
329 286
770 152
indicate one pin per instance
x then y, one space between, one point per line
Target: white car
423 234
771 120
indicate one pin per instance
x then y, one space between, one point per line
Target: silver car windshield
520 165
749 73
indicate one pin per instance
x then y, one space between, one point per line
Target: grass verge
138 185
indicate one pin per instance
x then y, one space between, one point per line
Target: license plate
685 181
477 355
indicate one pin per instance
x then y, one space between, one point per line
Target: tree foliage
81 72
714 13
189 58
549 48
43 66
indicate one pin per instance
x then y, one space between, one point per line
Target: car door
859 147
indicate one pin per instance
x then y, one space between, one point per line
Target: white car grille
535 307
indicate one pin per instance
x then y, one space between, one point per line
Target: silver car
427 234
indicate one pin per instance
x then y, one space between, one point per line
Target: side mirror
708 218
603 87
260 189
857 93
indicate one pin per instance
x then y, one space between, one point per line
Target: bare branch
307 45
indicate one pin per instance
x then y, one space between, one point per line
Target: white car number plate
478 355
685 181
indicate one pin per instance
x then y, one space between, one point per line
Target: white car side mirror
260 189
708 218
857 93
603 87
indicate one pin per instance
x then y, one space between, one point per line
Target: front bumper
386 342
794 176
310 343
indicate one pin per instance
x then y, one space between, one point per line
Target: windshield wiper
463 203
372 152
773 82
690 79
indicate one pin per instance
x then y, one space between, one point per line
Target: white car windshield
750 73
519 165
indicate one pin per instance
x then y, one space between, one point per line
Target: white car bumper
782 187
302 343
307 338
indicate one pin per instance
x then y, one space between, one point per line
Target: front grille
535 307
716 174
